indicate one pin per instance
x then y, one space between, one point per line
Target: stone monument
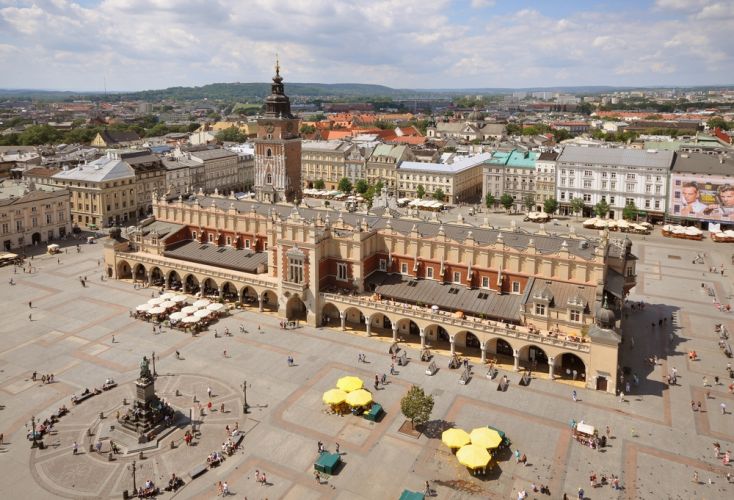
148 415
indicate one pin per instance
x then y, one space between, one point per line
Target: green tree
192 127
420 191
345 185
231 134
39 134
361 186
417 406
378 188
490 200
319 184
506 201
307 129
719 122
514 129
561 134
529 202
577 205
439 195
550 206
157 130
601 209
629 212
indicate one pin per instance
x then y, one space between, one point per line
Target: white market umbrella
168 295
177 316
190 320
189 309
167 304
156 301
202 313
215 307
144 307
202 303
178 299
157 310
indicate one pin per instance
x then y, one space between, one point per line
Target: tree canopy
490 200
420 191
417 406
577 205
550 206
231 134
345 185
319 184
439 195
601 209
506 201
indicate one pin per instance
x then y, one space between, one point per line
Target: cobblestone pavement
658 441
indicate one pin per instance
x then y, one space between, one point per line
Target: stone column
483 348
343 318
394 332
453 345
423 338
369 327
516 355
260 303
551 368
221 292
149 278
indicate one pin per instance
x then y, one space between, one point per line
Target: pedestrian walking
98 446
705 381
225 353
337 448
220 488
698 405
30 317
723 408
573 396
113 338
225 489
30 304
317 476
693 405
428 489
75 447
609 432
209 392
263 480
695 477
392 369
621 397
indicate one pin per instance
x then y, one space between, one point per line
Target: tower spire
277 65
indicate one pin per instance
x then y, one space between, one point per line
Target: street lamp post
155 374
33 432
132 468
245 406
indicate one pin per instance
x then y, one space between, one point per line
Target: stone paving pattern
658 441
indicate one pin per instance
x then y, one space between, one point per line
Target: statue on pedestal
145 369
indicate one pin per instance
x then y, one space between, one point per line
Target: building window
429 273
575 315
611 200
341 271
383 265
229 240
540 309
515 287
247 243
193 235
457 277
269 153
268 178
629 201
295 270
404 268
587 198
485 281
211 238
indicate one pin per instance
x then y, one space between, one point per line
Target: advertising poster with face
711 198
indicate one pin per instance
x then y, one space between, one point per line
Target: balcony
295 287
444 319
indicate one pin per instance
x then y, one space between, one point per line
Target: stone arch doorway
500 347
191 284
36 238
174 281
571 367
533 358
354 319
210 288
270 301
408 327
229 292
329 315
380 324
124 272
140 273
295 309
249 296
467 344
156 276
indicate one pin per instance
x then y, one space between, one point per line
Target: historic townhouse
31 216
545 178
326 161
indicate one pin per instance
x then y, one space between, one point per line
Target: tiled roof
616 156
213 154
459 164
103 169
230 258
562 292
448 297
702 163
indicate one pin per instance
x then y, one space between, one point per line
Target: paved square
657 442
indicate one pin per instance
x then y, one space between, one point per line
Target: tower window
268 177
269 153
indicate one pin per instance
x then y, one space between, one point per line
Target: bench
240 438
79 399
374 413
197 471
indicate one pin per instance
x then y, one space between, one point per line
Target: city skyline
135 45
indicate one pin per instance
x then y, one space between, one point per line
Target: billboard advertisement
707 197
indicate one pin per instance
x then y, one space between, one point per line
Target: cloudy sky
146 44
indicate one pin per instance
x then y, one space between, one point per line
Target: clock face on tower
270 129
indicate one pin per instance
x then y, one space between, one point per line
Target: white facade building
619 176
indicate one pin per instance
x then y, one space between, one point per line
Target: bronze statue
144 369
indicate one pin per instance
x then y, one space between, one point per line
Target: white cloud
481 4
401 43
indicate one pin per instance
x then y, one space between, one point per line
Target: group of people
148 490
45 379
215 458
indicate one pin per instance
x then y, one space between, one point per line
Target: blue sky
141 44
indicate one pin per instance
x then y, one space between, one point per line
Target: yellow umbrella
334 396
485 437
455 438
360 397
349 384
473 456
